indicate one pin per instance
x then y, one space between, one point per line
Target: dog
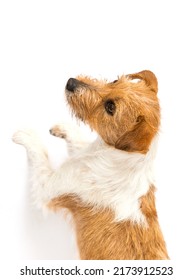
108 184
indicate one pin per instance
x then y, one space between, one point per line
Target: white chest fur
106 177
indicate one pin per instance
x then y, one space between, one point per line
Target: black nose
72 84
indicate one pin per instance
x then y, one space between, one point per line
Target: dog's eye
110 107
115 81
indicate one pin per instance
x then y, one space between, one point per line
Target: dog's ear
148 77
138 139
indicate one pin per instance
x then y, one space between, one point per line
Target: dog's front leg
74 135
47 183
40 170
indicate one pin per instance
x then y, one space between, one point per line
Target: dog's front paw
25 137
58 131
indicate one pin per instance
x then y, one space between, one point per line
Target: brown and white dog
108 184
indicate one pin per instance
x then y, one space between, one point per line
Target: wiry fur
107 184
99 237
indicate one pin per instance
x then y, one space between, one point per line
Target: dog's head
125 113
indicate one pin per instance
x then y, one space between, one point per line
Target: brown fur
100 238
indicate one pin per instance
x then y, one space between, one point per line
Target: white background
43 43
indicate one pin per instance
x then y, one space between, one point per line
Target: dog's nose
72 84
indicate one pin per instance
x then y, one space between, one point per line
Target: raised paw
58 131
73 133
25 137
